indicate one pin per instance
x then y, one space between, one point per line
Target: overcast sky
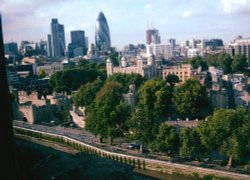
128 19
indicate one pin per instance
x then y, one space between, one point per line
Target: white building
160 50
192 53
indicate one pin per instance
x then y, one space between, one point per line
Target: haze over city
128 20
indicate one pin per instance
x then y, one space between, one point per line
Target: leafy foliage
85 95
167 140
71 79
198 61
154 99
227 131
191 99
191 143
239 63
107 115
127 79
155 95
223 61
172 79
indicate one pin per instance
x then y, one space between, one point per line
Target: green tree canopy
191 145
225 62
198 61
167 140
72 78
227 131
107 115
172 79
154 101
239 63
127 79
191 99
222 60
85 95
155 95
41 73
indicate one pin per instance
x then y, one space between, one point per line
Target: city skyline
128 20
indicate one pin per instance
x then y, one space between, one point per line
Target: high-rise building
78 38
102 34
49 46
153 36
172 43
239 46
11 48
57 39
77 47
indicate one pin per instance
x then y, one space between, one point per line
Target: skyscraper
57 39
153 36
102 35
77 47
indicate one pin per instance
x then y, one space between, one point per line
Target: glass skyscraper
56 39
102 35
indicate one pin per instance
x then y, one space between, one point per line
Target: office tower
153 36
77 47
102 34
57 39
49 46
172 42
11 48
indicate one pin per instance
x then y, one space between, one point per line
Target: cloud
148 6
235 6
187 14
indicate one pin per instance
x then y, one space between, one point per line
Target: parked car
134 146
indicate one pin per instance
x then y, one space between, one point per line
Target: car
134 146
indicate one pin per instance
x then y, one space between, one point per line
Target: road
88 138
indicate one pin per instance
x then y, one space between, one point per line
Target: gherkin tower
102 35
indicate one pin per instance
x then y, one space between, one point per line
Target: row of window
176 73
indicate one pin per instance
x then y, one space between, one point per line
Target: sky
128 19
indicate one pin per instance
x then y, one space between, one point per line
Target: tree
41 73
155 95
225 62
154 102
239 63
227 131
172 79
127 79
191 143
85 95
198 61
107 115
212 60
191 99
222 60
143 125
167 140
72 78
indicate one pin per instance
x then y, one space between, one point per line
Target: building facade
102 34
146 67
153 36
183 71
77 47
239 46
160 50
56 39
